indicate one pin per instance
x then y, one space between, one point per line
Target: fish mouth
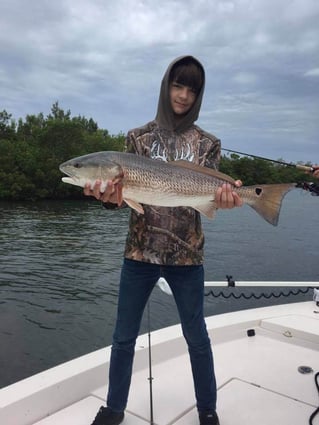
71 177
66 170
69 174
63 168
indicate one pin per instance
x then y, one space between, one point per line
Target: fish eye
77 165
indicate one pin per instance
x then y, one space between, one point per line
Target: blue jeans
136 284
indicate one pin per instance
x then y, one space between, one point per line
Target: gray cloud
106 60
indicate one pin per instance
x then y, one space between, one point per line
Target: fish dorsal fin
203 170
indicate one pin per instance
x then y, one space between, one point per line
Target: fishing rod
289 164
313 188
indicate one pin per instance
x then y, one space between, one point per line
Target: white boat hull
257 376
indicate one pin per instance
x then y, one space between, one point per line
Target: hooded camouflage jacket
170 236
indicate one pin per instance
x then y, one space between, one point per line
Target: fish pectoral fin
207 209
134 205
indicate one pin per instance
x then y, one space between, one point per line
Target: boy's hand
226 198
112 192
316 171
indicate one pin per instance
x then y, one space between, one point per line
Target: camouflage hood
165 116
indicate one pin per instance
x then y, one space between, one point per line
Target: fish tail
267 200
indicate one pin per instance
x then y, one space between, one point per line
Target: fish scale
169 184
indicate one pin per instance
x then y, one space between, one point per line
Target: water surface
60 264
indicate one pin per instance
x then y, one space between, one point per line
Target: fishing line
150 378
299 166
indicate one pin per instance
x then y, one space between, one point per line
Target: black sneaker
106 416
208 418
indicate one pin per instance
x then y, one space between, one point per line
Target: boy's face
182 98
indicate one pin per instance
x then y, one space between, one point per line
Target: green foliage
7 126
32 149
257 171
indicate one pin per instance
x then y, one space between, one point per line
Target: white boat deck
258 378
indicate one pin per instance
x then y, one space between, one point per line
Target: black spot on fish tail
268 200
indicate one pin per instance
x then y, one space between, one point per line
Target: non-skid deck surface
83 413
258 378
250 375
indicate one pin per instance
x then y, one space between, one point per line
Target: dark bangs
188 73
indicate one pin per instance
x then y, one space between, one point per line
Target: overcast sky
105 59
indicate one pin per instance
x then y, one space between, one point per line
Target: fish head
90 168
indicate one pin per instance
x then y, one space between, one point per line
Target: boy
166 242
